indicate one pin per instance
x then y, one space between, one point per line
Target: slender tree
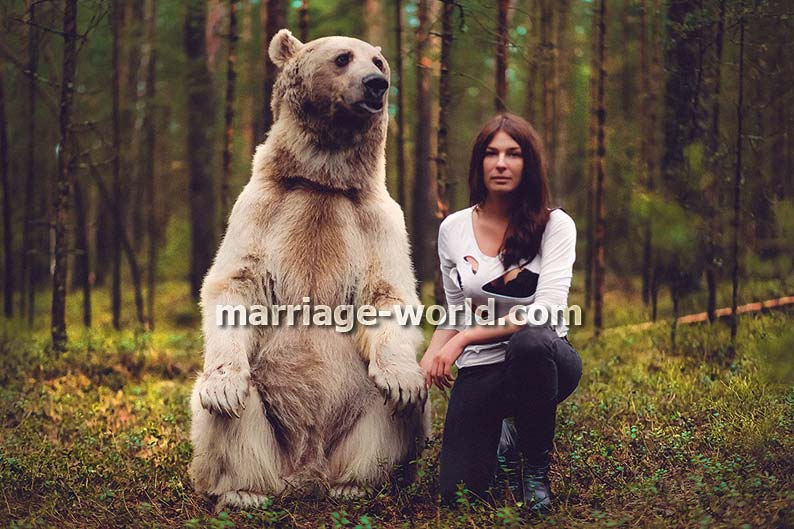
148 156
126 245
116 13
712 195
653 151
532 62
424 195
8 241
559 100
61 199
275 19
445 99
501 56
28 297
303 20
133 181
600 222
82 261
645 142
737 180
200 125
547 67
591 165
399 70
373 21
231 77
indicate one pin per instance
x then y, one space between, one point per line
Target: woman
511 247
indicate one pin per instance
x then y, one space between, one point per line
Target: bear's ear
283 47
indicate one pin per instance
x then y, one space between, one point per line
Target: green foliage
98 437
673 229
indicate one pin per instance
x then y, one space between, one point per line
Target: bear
306 409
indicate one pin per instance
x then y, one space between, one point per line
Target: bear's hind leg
237 460
363 460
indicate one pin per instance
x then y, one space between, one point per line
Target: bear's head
336 88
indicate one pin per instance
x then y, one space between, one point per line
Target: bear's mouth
373 107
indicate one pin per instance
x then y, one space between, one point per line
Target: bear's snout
375 85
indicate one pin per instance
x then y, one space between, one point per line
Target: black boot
508 462
508 473
537 488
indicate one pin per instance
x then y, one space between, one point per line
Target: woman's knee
530 345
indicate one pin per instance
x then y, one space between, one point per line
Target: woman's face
503 164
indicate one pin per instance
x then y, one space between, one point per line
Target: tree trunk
646 108
546 66
28 292
61 201
712 195
682 105
600 224
424 195
8 241
148 156
82 262
591 166
399 70
445 99
653 151
373 22
501 56
559 103
231 77
103 238
126 246
200 126
303 20
737 183
676 297
116 10
275 17
532 66
132 179
627 86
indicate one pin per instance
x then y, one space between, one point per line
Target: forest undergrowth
653 437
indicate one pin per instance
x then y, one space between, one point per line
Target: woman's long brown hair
529 212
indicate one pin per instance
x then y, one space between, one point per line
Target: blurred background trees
637 102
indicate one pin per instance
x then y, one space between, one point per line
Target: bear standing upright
301 408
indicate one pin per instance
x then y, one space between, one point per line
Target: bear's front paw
402 387
224 389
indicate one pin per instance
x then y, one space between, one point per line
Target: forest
127 132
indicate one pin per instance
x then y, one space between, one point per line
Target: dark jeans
540 370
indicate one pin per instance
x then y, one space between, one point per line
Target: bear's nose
376 85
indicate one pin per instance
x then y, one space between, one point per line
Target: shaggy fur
299 408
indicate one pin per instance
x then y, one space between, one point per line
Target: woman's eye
490 153
342 60
515 154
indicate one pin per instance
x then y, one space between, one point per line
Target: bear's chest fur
316 248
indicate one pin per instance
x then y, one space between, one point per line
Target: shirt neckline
474 237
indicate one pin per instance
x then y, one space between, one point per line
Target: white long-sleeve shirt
469 274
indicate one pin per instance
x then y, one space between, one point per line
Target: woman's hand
440 339
426 363
440 367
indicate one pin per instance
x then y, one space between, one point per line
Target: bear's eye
343 59
378 63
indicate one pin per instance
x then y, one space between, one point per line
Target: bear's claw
240 498
404 390
224 390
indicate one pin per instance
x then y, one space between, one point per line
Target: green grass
98 436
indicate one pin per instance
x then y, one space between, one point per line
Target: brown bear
306 408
